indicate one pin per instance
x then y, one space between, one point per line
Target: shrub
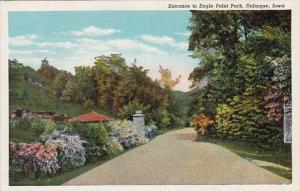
123 131
113 147
162 117
150 131
94 152
34 158
38 126
22 123
95 135
88 104
49 125
43 125
201 123
127 111
245 118
71 151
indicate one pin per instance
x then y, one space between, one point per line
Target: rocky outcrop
22 113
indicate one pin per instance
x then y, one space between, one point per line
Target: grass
249 151
281 172
38 100
19 135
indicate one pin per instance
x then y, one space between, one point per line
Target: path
175 158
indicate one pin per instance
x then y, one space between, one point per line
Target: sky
73 38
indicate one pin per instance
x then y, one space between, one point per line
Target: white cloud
94 31
164 40
185 34
30 40
20 52
23 40
116 45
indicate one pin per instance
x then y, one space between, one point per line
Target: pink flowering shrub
34 158
70 148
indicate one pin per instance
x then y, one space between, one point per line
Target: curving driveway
175 158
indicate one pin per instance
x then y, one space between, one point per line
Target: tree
59 82
243 54
47 70
166 80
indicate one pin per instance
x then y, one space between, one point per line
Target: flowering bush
201 123
113 147
71 151
150 131
34 158
123 131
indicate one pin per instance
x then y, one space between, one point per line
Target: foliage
201 123
166 80
88 104
162 117
280 91
244 57
123 132
71 153
43 125
47 70
59 83
244 118
20 123
110 83
39 100
34 158
113 147
96 138
151 131
127 111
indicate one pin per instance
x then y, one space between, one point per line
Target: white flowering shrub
151 131
123 131
71 151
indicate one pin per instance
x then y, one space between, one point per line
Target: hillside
23 94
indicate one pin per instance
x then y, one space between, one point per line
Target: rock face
22 113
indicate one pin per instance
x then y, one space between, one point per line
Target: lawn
249 151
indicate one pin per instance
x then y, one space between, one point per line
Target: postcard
164 95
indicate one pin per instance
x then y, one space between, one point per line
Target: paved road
175 158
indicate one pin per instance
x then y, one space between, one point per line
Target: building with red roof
91 117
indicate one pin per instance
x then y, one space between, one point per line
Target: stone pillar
139 123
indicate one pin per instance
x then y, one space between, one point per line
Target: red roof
90 117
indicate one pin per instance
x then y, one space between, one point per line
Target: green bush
88 104
38 126
95 135
49 125
20 123
244 118
128 110
113 147
43 125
